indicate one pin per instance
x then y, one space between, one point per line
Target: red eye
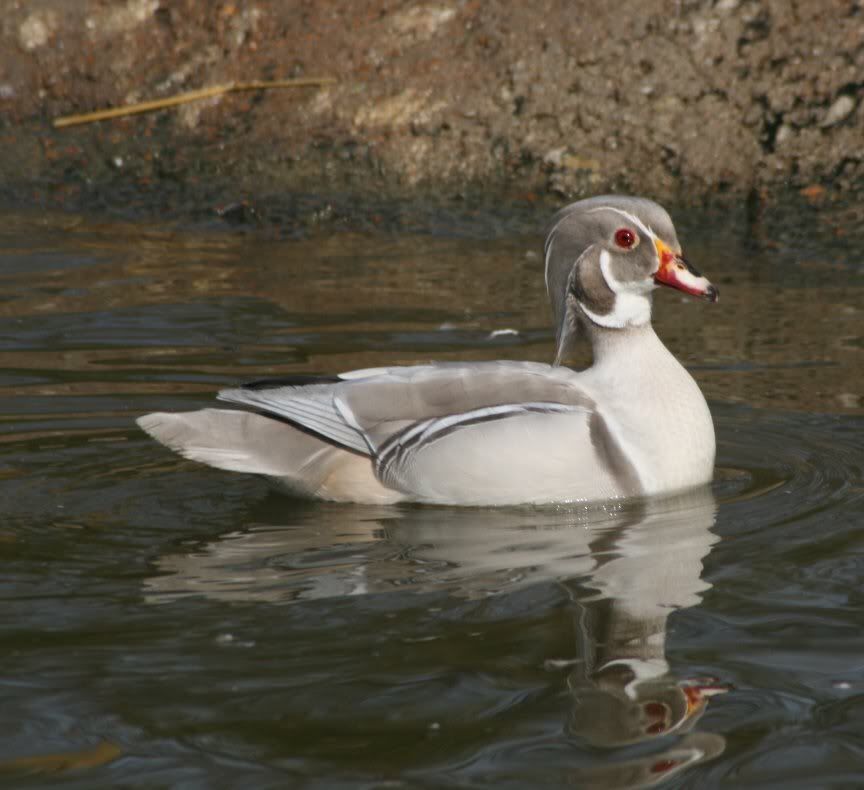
625 238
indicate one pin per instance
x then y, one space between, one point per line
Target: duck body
493 433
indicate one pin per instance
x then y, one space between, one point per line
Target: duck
632 424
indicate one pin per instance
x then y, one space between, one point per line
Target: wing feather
314 411
366 409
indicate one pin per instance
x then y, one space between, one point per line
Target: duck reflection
623 689
626 568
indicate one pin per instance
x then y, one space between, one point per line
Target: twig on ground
184 98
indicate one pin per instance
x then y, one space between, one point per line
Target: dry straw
184 98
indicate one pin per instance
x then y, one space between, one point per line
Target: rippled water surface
169 625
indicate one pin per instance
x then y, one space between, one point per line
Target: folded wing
479 433
364 410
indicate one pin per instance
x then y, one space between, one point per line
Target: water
168 625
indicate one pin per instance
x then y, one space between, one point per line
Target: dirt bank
676 99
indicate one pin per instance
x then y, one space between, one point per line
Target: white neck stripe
630 310
605 262
608 322
632 306
551 241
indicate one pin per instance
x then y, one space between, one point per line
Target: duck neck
629 346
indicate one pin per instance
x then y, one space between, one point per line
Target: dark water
168 625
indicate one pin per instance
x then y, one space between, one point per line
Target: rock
244 26
839 111
409 106
36 29
121 17
848 400
573 162
554 156
784 133
421 22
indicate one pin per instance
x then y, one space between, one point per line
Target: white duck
495 433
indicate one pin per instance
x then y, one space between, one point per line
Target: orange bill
676 272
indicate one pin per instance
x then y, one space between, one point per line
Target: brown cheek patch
591 289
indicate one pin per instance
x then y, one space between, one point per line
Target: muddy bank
684 101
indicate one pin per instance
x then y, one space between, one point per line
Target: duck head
604 258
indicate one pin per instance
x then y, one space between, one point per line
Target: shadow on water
164 624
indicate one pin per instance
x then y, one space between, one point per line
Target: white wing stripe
348 415
428 432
